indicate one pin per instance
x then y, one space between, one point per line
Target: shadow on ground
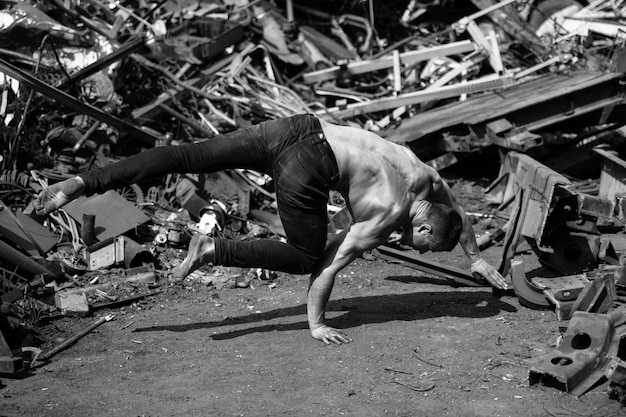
373 309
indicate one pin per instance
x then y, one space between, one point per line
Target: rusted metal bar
74 339
188 121
75 104
417 262
79 144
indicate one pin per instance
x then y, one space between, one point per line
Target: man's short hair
446 227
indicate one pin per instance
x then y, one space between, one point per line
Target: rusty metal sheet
541 182
43 237
114 214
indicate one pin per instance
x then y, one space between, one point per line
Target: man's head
437 228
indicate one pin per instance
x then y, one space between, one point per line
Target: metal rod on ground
26 264
411 260
73 339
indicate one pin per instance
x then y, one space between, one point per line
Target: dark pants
292 150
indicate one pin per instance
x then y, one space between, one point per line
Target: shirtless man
386 188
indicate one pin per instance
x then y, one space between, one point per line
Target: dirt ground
421 347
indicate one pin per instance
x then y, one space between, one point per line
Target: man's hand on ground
59 194
487 271
329 335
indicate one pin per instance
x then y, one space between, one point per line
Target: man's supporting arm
346 247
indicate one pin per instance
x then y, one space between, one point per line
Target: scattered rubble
89 83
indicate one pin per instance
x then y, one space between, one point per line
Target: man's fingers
340 338
498 281
329 336
337 339
490 274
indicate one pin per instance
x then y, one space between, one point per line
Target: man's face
417 237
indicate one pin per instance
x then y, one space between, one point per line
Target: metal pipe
26 265
73 339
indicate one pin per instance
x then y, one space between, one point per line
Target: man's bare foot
201 251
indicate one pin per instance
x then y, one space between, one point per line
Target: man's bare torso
377 177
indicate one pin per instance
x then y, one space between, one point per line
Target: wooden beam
421 96
553 119
407 58
523 104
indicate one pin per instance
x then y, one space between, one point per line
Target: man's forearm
319 292
339 253
468 241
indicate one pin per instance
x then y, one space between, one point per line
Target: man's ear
424 229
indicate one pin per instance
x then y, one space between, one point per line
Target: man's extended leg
237 149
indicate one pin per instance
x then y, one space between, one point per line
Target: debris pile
87 83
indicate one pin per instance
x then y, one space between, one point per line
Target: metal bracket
502 133
586 355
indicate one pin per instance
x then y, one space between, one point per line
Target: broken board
114 214
536 103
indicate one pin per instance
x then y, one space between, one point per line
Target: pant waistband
320 139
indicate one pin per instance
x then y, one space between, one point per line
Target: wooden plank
406 58
331 49
421 96
579 111
489 106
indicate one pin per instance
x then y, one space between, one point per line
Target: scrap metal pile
88 82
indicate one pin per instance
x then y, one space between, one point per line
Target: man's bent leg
261 253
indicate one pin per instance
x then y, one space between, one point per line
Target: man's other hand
329 335
488 272
59 194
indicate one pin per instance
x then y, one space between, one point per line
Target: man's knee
310 264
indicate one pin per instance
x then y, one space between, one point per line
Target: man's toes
179 272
